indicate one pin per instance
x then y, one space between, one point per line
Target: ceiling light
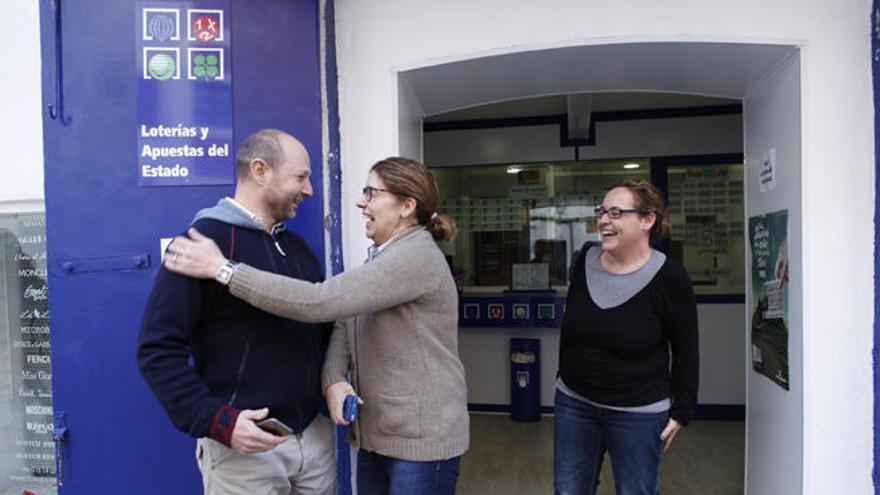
631 165
514 169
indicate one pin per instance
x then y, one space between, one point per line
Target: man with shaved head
247 365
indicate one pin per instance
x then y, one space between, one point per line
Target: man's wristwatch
224 274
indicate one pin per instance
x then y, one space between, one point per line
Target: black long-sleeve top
620 356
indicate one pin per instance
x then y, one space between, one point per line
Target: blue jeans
584 432
382 475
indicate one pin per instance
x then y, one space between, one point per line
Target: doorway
523 194
762 77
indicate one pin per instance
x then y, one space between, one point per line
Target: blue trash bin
525 380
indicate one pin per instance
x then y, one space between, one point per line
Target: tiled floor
513 458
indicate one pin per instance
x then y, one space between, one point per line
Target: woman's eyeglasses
614 212
369 192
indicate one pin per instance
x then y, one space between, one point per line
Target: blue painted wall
119 439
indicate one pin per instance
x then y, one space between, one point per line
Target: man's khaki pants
303 464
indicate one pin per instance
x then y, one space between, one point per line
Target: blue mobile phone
350 408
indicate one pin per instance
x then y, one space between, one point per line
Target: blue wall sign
511 310
184 94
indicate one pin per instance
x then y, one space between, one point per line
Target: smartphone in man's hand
274 427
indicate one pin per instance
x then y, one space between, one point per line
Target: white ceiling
722 71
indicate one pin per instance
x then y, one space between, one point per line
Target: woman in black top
630 310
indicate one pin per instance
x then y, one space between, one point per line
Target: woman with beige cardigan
396 332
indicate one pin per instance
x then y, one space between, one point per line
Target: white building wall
21 127
775 418
376 39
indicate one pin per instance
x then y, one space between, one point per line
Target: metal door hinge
59 435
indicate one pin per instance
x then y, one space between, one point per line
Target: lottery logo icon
205 66
161 27
496 311
206 28
160 24
161 66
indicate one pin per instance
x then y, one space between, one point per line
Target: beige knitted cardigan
397 332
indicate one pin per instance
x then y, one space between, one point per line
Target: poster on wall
700 251
768 251
183 71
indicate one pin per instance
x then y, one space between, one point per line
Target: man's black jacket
242 357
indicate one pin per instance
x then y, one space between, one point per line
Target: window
524 222
27 453
534 219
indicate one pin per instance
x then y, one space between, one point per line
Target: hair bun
441 227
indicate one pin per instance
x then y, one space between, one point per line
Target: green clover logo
206 66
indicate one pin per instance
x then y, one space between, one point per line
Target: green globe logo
161 66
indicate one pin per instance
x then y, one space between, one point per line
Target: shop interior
522 186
